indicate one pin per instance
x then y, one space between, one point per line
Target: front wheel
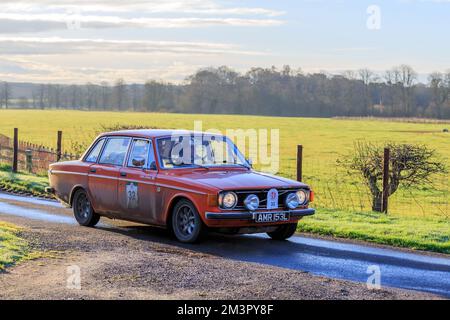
83 211
186 222
283 232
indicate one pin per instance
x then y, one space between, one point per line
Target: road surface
302 255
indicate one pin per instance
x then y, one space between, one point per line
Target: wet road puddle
13 210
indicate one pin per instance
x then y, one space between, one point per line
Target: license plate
264 217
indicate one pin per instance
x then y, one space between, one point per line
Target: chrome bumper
245 215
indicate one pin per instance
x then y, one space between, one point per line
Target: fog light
292 201
251 202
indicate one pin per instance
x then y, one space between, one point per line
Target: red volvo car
187 182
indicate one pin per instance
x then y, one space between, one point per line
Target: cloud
20 22
144 6
55 45
33 46
24 70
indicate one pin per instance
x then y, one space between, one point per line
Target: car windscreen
198 150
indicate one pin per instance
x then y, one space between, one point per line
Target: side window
115 151
141 155
95 152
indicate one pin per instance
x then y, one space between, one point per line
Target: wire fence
31 157
336 189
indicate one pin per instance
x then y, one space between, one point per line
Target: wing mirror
153 166
138 162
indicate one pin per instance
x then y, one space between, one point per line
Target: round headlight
229 200
251 202
292 201
302 197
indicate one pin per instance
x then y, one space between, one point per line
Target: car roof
153 133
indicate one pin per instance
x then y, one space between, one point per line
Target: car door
136 188
104 175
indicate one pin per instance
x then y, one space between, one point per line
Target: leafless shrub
411 166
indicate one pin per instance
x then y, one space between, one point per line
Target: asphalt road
333 259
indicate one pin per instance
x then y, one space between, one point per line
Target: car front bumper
246 215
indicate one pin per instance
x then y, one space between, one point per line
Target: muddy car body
138 176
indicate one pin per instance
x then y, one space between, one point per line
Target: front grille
262 195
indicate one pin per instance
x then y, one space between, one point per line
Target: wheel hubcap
83 206
186 221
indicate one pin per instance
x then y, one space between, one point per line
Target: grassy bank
21 182
12 247
423 233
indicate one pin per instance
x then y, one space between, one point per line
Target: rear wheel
187 225
83 211
283 232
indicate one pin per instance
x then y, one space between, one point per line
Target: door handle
93 170
123 174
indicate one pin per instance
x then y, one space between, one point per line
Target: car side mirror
153 166
138 162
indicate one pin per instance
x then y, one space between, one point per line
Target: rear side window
140 152
95 152
115 151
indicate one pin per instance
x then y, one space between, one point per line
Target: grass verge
12 247
22 183
422 233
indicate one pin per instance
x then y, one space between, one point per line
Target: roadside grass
422 233
22 182
12 247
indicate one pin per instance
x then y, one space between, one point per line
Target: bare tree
410 166
42 96
439 93
367 76
119 94
105 101
406 77
135 97
5 94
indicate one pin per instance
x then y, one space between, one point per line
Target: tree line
259 91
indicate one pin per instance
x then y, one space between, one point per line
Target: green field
324 140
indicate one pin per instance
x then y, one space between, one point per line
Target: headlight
228 200
292 201
251 202
303 197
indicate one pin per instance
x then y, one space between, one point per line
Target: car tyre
283 232
187 226
83 211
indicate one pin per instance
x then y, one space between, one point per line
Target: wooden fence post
299 162
15 150
29 160
58 146
386 180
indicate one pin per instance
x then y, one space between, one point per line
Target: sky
79 41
